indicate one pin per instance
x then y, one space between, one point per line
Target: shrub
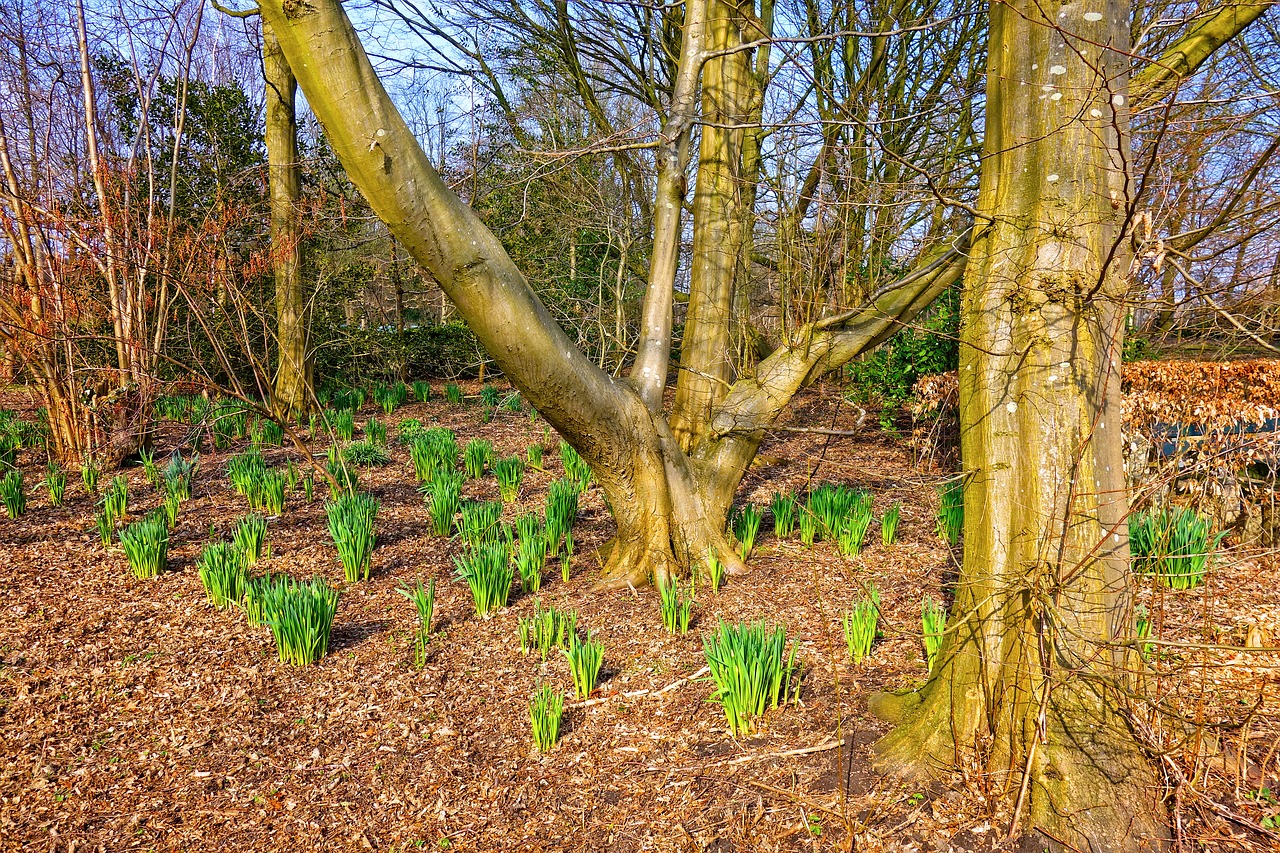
351 519
951 511
860 624
478 453
675 609
933 623
443 494
545 710
889 524
250 537
584 659
300 616
55 480
15 501
750 669
487 572
146 545
224 574
509 472
424 600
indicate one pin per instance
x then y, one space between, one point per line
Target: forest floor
134 716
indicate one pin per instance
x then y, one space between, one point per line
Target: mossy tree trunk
1029 685
294 381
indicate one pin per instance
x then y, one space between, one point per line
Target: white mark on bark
1095 113
1052 178
1093 17
1118 100
1055 70
1011 406
1056 96
1048 87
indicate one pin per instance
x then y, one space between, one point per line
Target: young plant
584 659
547 629
489 395
171 506
421 391
344 425
1177 545
89 476
561 512
750 669
676 610
179 474
566 559
106 526
575 467
783 507
115 501
860 624
512 402
478 453
746 527
479 522
270 494
266 433
487 572
1142 631
853 530
443 496
715 570
951 511
150 470
375 432
15 500
300 616
545 710
146 545
453 393
531 555
351 519
535 456
245 471
390 396
224 574
250 537
368 453
509 472
55 480
808 528
889 524
933 623
345 479
424 600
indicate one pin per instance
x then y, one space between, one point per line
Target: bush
927 346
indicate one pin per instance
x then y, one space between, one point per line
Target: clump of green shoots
224 574
55 480
808 523
479 522
245 471
860 624
933 623
115 501
783 507
15 500
391 396
829 505
676 609
351 519
345 479
478 454
566 558
585 658
512 402
951 511
509 472
575 467
424 599
375 431
715 570
750 669
409 430
368 453
746 526
150 470
1142 631
1176 544
489 395
853 527
300 616
250 537
453 393
547 629
146 545
421 391
535 456
487 572
269 494
179 474
344 425
266 433
561 512
531 555
545 710
889 524
171 506
443 494
89 476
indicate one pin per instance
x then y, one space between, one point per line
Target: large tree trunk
294 378
1030 683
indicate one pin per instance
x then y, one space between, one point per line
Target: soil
133 715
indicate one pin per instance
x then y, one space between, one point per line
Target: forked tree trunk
1030 683
669 505
293 390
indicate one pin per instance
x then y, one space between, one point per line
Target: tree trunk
294 385
1030 683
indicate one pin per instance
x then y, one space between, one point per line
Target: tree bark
1030 681
294 383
